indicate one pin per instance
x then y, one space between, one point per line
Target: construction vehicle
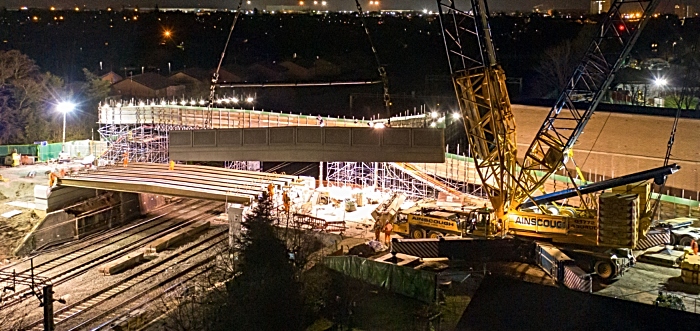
12 160
420 222
590 225
386 211
683 231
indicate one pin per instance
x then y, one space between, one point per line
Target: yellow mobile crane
510 185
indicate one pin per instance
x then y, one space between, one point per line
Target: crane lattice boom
480 85
617 35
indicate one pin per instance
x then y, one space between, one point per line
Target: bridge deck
199 182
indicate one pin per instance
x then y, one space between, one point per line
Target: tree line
28 99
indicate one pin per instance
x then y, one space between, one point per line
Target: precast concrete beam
187 181
310 144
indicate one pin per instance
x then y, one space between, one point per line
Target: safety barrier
76 149
417 284
22 149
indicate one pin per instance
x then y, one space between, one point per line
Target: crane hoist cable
671 139
215 76
381 69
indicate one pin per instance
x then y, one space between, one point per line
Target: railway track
113 315
96 238
102 296
198 214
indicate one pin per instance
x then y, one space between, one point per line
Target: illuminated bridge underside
309 144
197 182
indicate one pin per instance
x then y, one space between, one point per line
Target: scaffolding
410 179
139 129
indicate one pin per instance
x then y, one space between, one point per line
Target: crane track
86 304
80 269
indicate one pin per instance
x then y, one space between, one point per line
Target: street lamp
65 107
660 82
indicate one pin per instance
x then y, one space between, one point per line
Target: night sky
525 5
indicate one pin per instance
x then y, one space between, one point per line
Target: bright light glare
235 100
249 99
433 124
434 114
660 82
456 116
65 107
379 125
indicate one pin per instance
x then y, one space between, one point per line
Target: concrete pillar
320 174
375 178
235 217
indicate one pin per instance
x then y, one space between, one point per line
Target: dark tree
266 295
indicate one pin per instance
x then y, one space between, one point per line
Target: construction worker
377 231
270 190
126 159
53 177
172 165
694 246
287 202
388 228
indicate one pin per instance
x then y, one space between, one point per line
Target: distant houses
147 85
111 77
195 82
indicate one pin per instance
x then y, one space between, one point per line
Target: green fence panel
417 284
378 273
22 149
50 151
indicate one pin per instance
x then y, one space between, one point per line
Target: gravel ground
15 186
643 283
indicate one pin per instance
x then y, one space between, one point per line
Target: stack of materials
690 269
618 216
643 190
359 199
